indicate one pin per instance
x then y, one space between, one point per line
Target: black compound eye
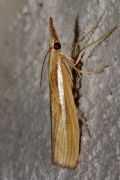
57 45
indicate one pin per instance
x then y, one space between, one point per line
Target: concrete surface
25 147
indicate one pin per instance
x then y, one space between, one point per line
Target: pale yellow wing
65 127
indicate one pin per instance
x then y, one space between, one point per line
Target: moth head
54 43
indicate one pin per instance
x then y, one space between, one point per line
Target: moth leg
97 71
76 47
90 72
68 61
95 43
100 70
91 30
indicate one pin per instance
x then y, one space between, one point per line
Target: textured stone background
25 147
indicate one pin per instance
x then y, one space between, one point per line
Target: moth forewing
65 127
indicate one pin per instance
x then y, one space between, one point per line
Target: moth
65 130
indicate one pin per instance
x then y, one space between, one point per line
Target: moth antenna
43 67
52 30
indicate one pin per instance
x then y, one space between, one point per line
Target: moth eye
57 45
